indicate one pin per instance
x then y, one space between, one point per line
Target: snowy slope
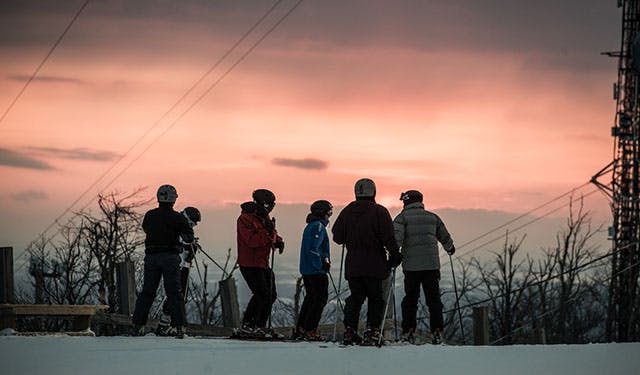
152 355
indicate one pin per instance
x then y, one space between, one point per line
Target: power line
577 268
524 214
521 226
189 108
35 73
155 125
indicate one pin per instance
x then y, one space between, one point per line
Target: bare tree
112 237
505 284
81 260
571 294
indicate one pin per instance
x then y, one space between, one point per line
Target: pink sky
499 108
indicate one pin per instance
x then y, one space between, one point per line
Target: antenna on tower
623 318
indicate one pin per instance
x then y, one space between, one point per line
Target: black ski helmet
322 208
411 196
264 198
365 187
192 214
167 194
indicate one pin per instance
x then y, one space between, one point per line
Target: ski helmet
167 193
411 196
192 214
365 187
322 208
264 198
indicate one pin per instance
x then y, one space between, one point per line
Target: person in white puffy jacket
418 232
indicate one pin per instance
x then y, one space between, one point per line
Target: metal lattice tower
623 320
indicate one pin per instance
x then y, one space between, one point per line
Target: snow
152 355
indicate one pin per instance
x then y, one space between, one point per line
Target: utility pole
623 320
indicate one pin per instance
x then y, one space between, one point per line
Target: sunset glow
496 107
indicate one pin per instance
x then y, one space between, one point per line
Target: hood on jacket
360 207
248 207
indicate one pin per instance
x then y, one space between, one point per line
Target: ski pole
335 325
386 306
211 259
395 316
336 290
271 281
455 290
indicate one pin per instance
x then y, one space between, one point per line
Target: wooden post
39 285
126 275
7 291
481 325
229 301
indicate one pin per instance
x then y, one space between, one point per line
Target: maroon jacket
256 238
366 229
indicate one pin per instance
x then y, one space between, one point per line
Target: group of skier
375 246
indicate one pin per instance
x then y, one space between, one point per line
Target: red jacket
254 238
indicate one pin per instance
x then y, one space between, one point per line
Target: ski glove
395 260
326 265
452 250
279 245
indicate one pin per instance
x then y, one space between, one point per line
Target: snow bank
152 355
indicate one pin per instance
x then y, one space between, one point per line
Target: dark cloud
46 79
29 195
306 163
75 153
15 159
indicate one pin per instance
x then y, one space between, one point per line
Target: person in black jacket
167 230
366 229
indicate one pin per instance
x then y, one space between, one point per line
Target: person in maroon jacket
366 229
257 238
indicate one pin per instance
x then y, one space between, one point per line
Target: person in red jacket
257 238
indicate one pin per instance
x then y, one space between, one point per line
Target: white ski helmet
167 194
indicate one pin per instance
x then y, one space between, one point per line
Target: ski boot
244 332
179 332
371 337
409 336
164 325
436 338
298 334
314 335
137 330
351 337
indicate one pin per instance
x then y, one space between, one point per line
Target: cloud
18 160
75 153
46 79
29 195
307 163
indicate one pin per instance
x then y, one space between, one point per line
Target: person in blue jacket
315 262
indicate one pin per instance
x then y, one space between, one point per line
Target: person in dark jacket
315 262
366 229
418 232
166 230
257 238
187 253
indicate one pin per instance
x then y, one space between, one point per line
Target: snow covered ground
152 355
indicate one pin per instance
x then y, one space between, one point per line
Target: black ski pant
317 294
163 266
430 282
261 282
362 288
184 281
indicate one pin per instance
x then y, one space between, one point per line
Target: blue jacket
315 246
